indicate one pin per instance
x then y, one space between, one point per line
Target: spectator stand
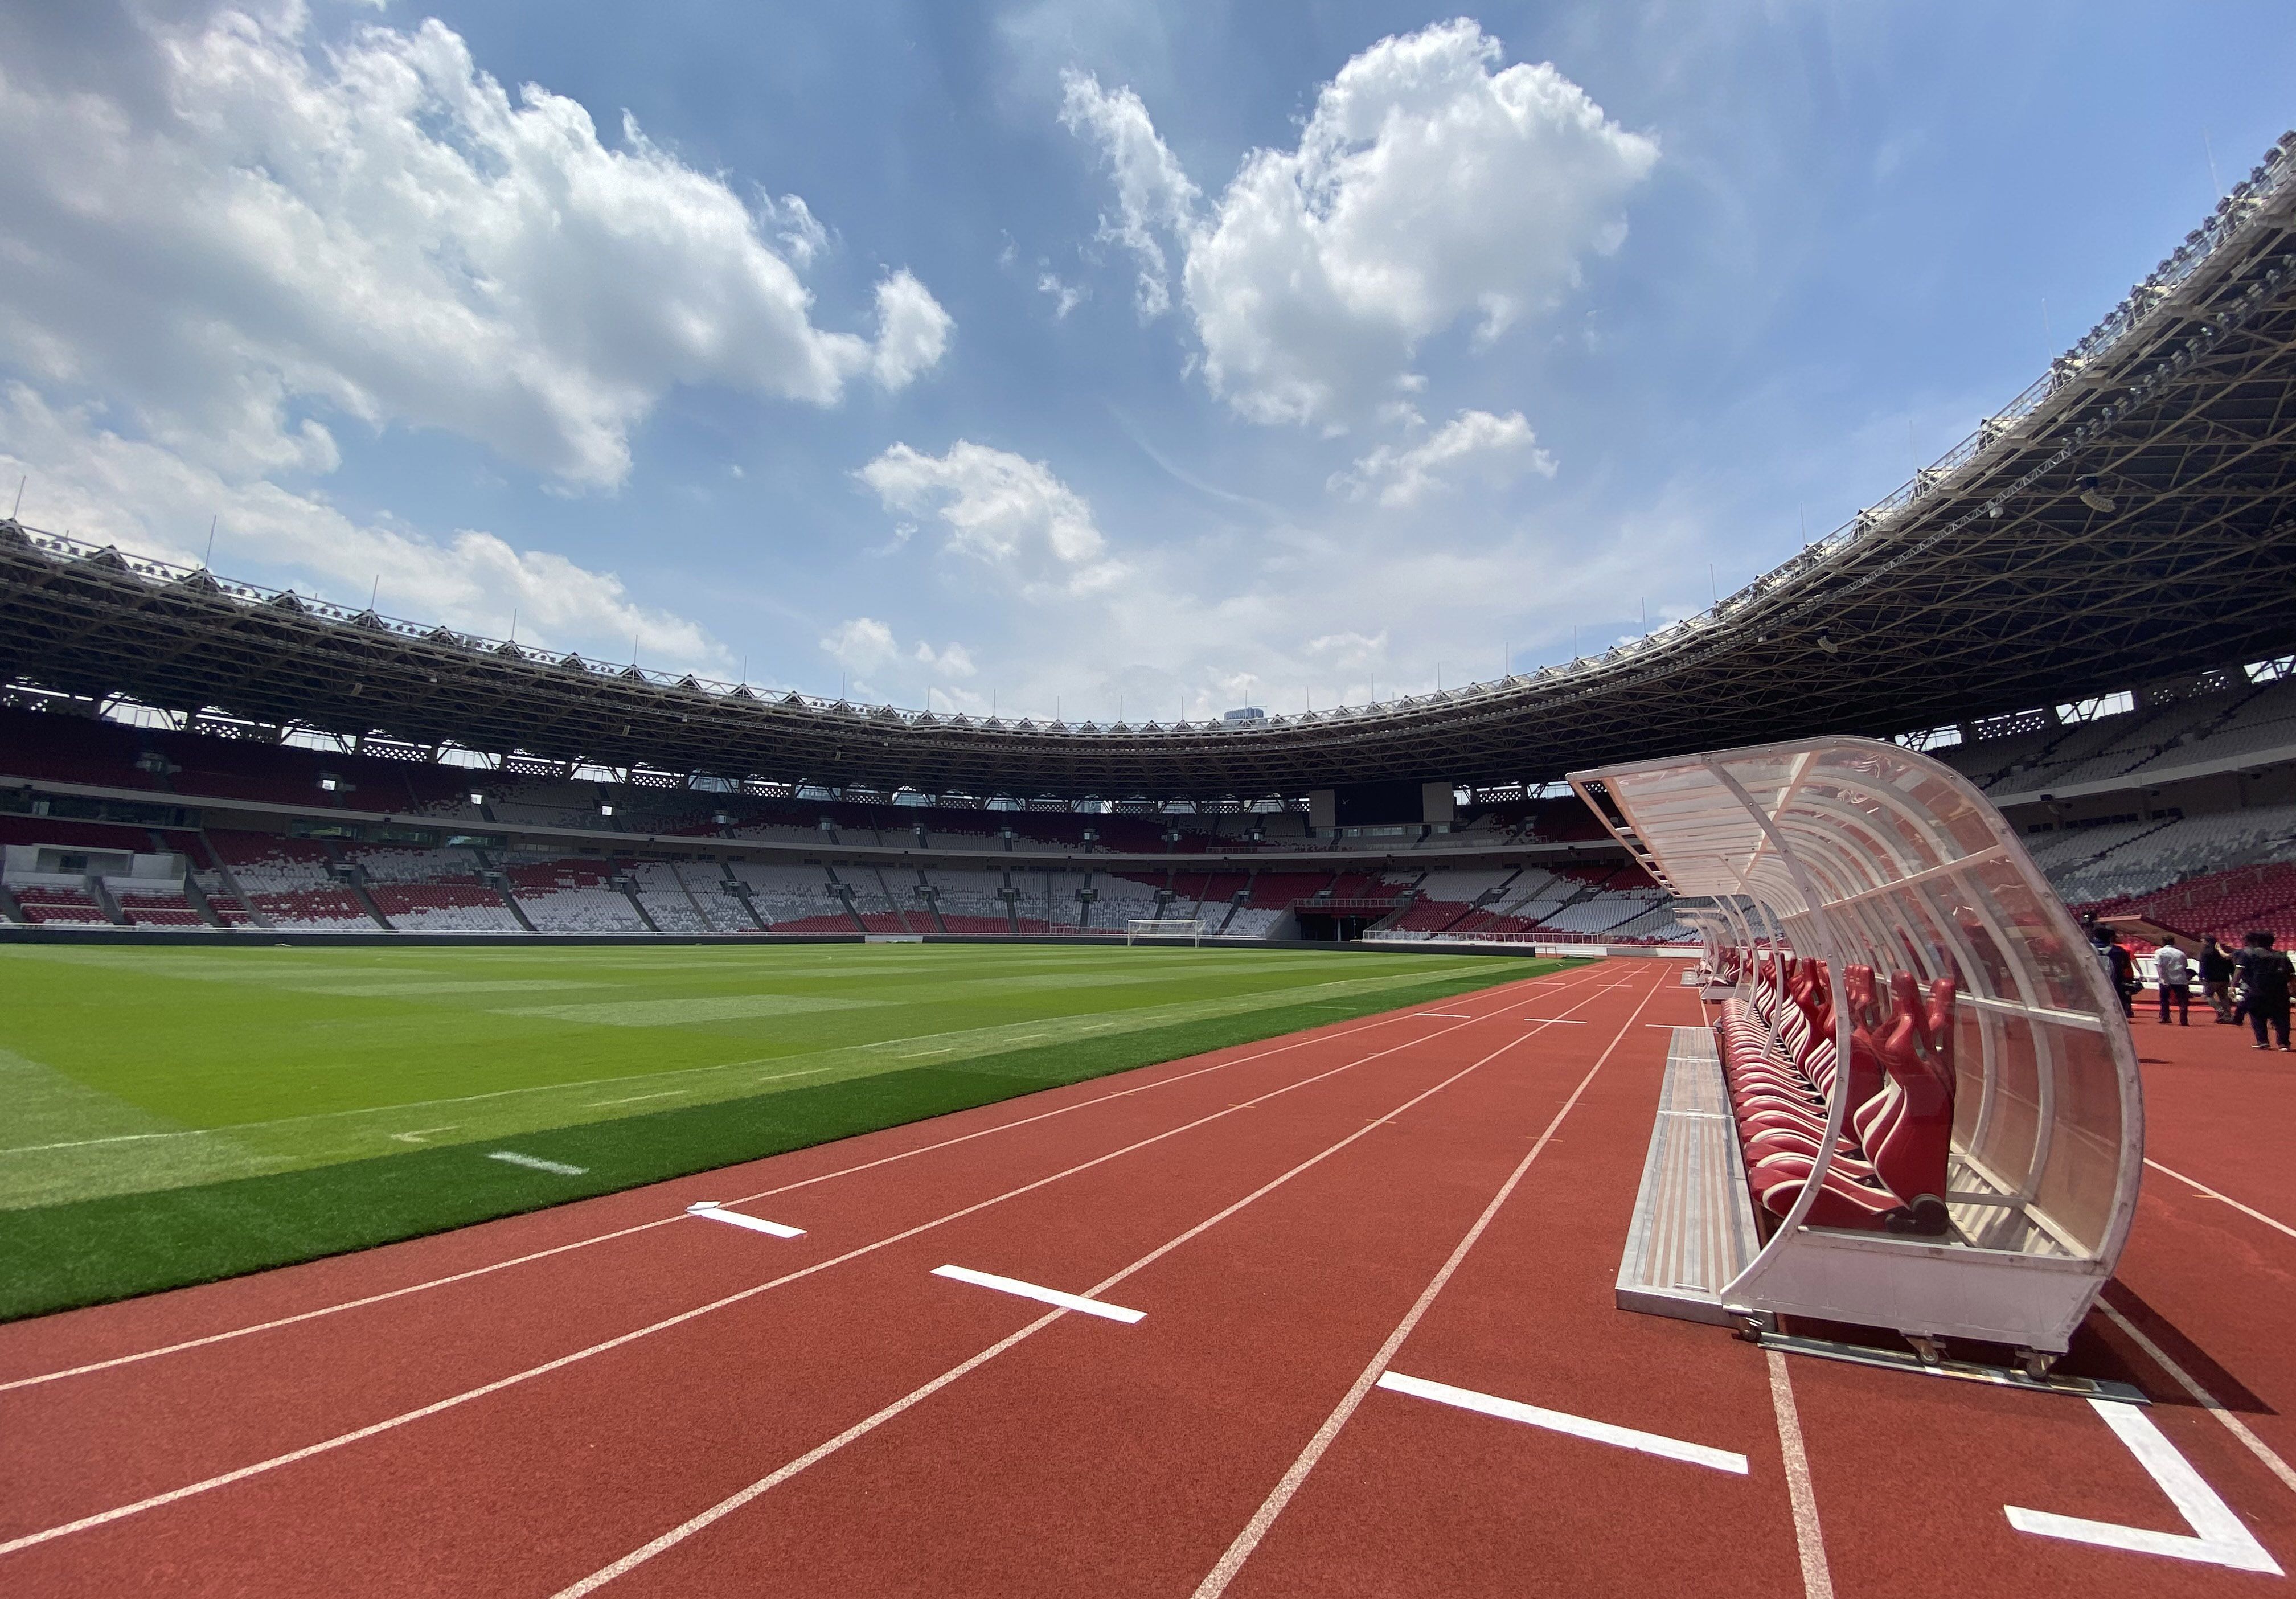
1972 1171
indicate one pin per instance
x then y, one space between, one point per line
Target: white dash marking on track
1553 1021
2217 1538
1042 1296
711 1211
536 1162
1556 1421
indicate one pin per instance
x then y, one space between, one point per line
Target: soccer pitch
177 1115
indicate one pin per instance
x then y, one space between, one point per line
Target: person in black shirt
2120 966
2216 978
2265 975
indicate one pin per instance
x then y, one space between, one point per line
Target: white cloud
912 331
1151 192
1497 449
1003 509
1349 649
861 644
148 499
1427 188
952 660
259 231
1066 297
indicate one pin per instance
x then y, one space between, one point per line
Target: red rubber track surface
1277 1212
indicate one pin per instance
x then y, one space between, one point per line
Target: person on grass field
2265 975
2174 971
2216 978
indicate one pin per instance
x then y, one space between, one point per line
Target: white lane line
635 1098
536 1162
1810 1539
1556 1421
2217 1537
1042 1296
711 1211
2208 1401
2245 1211
1444 1015
1217 1579
735 1501
420 1133
1554 1022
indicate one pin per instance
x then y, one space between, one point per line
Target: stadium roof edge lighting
1991 579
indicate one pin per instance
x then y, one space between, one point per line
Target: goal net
1151 927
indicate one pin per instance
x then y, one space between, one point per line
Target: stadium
1660 1113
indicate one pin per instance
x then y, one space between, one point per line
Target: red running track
614 1397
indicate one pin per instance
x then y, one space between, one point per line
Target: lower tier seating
1779 1058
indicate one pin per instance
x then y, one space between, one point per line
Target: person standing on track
2216 978
2120 966
2265 974
2174 972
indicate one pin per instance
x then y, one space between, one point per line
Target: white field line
735 1501
2206 1400
635 1098
536 1163
1042 1295
2279 1226
1809 1538
606 1237
223 1480
2217 1538
1557 1420
1231 1561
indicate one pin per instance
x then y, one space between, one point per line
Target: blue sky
1063 357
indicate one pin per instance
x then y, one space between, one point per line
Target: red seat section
1780 1062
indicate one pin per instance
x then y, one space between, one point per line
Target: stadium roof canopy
2128 519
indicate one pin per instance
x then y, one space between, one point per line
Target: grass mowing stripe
92 1251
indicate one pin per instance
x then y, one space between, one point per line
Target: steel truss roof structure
2129 518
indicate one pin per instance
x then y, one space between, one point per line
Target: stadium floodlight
605 809
478 798
2093 496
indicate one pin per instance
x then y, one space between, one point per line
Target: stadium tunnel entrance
1334 927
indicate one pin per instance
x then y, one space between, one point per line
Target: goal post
1191 927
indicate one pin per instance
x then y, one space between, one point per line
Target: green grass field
178 1115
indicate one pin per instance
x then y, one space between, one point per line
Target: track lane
1258 1137
1153 1448
1417 1498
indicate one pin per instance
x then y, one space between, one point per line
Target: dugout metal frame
1860 852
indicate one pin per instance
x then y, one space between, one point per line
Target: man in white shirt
2175 973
